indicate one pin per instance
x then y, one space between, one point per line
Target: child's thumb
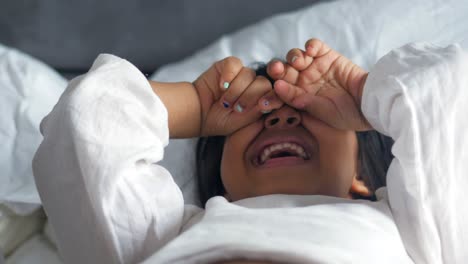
320 107
287 92
317 106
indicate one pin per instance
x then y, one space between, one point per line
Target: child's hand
229 95
324 83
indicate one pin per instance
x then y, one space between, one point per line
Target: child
287 175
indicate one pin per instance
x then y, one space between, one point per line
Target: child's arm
96 170
418 95
106 198
222 100
182 104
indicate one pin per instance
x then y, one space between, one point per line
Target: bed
42 45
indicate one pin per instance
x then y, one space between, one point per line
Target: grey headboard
68 35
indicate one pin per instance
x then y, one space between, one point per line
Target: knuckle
246 75
232 61
292 53
251 73
313 41
247 101
244 103
264 82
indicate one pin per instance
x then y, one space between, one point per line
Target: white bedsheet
36 250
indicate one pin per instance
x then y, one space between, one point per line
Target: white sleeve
418 95
106 199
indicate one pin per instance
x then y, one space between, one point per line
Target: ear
359 188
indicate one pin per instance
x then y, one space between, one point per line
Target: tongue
283 160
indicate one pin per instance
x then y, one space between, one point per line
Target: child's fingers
237 86
228 69
287 92
298 59
278 70
249 98
269 102
316 48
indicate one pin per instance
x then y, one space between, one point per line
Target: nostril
274 121
291 120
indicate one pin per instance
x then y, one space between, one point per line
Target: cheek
338 159
228 159
232 168
233 164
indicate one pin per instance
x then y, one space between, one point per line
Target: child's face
318 159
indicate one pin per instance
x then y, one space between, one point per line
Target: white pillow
36 250
28 90
362 30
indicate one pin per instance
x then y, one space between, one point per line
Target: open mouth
282 153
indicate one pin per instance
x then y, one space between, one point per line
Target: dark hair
374 156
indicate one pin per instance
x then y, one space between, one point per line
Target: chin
278 184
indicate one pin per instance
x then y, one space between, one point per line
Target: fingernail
239 108
293 59
225 104
226 85
266 111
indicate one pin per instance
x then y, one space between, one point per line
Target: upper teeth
291 147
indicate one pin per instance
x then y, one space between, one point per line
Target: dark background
68 35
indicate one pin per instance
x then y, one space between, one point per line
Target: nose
285 117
